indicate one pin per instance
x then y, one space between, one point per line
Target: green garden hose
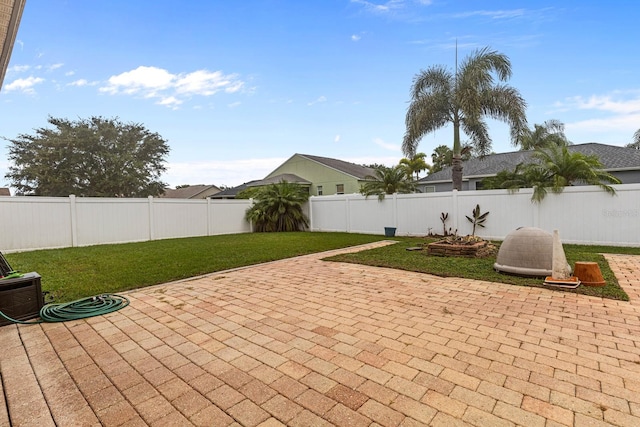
78 309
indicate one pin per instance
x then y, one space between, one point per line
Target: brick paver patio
302 342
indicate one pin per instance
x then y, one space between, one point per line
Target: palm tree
279 208
388 181
636 141
523 176
464 99
562 168
550 132
415 164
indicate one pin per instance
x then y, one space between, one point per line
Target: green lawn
396 256
72 273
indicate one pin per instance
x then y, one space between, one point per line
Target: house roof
190 192
289 177
231 193
612 157
356 171
10 14
5 192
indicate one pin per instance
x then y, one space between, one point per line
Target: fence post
208 216
74 220
347 212
395 210
152 233
311 213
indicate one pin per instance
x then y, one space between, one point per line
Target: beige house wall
319 175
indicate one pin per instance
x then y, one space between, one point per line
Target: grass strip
396 256
73 273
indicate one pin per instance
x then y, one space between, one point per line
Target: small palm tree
278 207
550 132
415 165
388 181
561 167
523 176
464 99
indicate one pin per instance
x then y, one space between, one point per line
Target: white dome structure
526 251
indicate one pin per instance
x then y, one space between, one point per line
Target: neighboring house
191 192
322 175
5 192
230 193
621 162
10 14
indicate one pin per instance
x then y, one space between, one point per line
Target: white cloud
171 89
385 7
617 102
387 146
227 172
69 73
337 138
355 37
142 79
493 14
54 66
234 104
24 85
170 101
622 123
18 68
80 82
614 116
319 100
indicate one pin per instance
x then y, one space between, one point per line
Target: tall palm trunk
456 162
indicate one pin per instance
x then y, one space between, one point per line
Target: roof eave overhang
10 37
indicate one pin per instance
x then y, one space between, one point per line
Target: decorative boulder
526 251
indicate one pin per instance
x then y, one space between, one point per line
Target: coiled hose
78 309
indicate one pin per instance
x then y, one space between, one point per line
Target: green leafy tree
279 207
93 157
636 141
388 180
415 165
464 98
550 132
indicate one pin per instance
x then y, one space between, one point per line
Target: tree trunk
456 174
456 163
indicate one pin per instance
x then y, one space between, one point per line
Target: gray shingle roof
231 193
289 177
612 157
357 171
190 192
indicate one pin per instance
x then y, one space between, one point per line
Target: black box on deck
21 297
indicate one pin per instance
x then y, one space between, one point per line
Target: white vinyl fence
28 223
582 214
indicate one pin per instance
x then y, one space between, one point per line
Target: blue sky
237 87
